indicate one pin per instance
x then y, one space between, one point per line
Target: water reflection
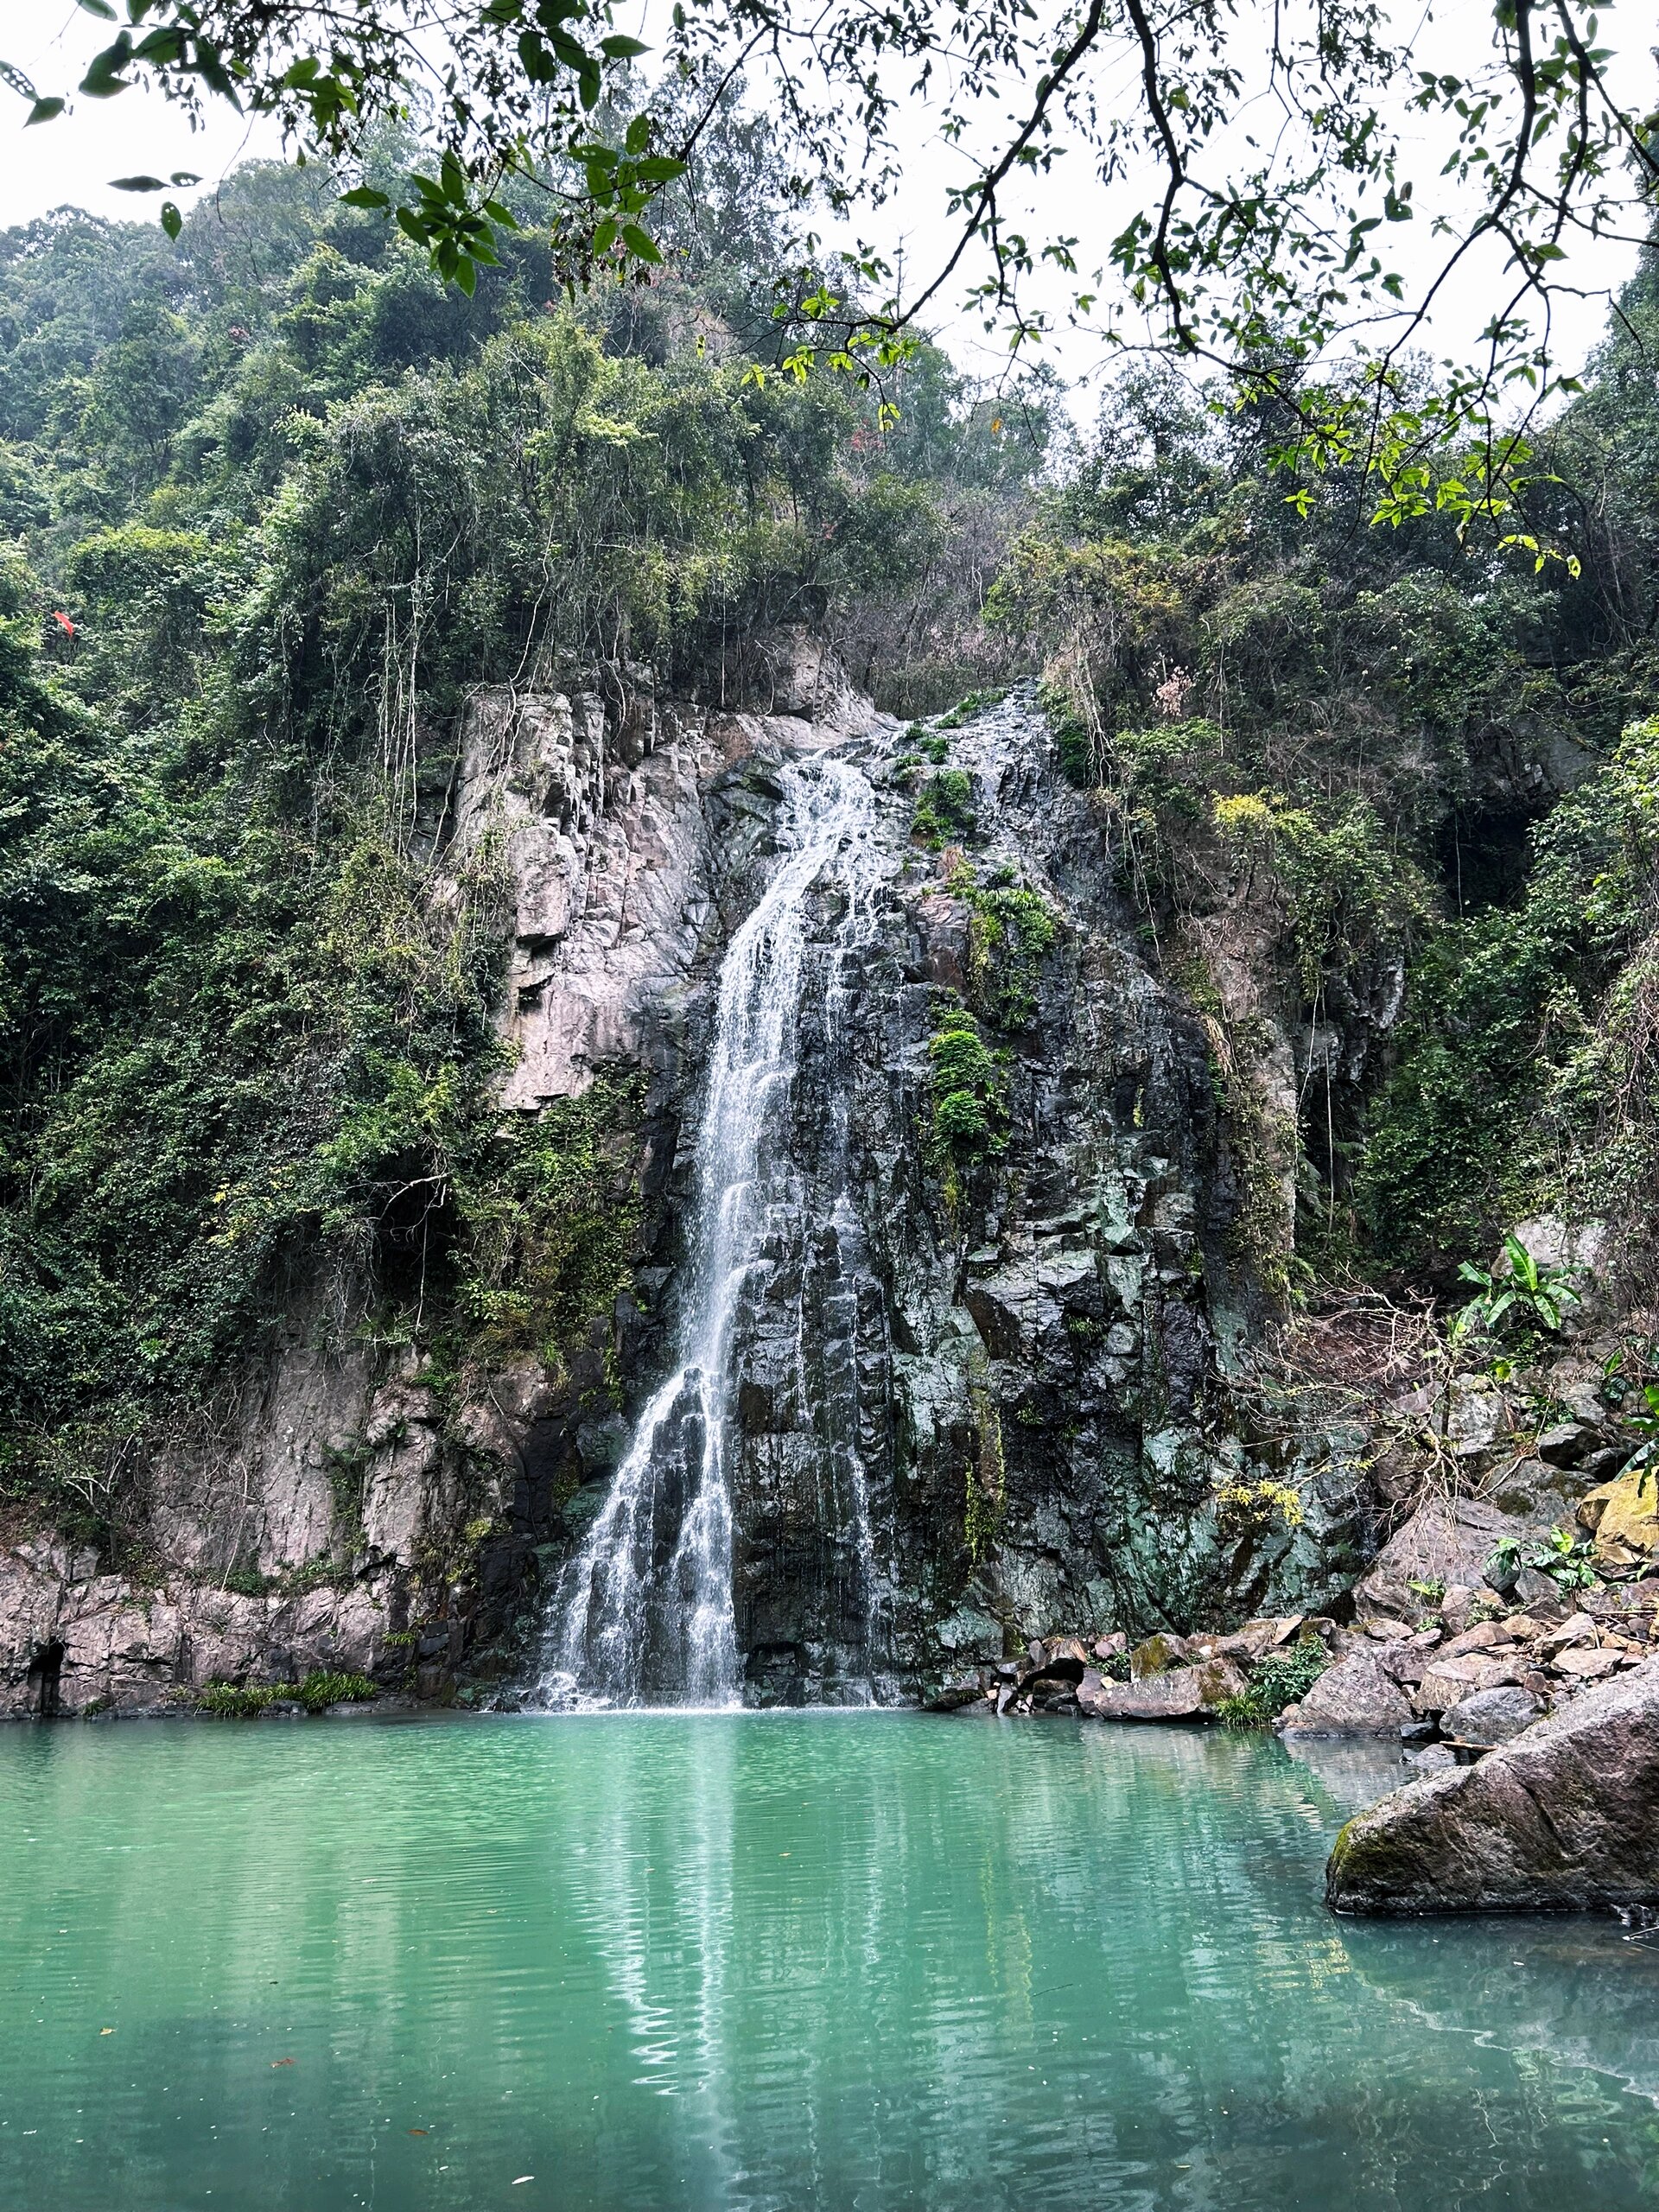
768 1961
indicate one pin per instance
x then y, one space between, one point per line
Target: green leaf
137 184
364 195
466 275
99 8
45 111
104 80
184 177
172 221
622 49
639 243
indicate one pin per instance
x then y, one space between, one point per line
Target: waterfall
644 1614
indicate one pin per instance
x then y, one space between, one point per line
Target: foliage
289 504
944 808
1011 930
1259 253
548 1217
969 1111
241 1701
1250 1508
319 1689
1530 1076
324 1686
1279 1680
1565 1559
1518 1286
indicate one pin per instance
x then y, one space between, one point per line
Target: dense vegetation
1405 779
274 501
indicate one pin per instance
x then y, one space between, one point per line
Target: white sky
70 161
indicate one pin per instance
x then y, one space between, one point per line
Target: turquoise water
858 1960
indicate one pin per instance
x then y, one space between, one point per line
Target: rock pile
1167 1677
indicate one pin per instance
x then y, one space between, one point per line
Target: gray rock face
1354 1697
1050 1338
1491 1716
1563 1819
1448 1541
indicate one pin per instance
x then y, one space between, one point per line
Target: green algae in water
848 1960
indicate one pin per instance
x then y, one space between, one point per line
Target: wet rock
1354 1697
952 1695
1491 1716
1564 1818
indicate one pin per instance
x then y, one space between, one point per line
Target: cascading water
644 1613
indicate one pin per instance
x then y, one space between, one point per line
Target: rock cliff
1029 1366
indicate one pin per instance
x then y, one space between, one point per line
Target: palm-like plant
1538 1294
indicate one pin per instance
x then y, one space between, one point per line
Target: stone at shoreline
1491 1716
1181 1693
1563 1819
1433 1758
1448 1681
1354 1697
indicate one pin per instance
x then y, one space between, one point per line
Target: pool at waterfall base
852 1960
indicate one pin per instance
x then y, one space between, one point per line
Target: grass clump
965 709
241 1701
1278 1680
323 1686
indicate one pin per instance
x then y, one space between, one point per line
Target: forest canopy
1253 170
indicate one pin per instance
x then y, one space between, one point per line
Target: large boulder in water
1354 1698
1563 1819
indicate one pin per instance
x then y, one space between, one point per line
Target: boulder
1491 1716
1447 1681
1564 1819
1624 1517
1540 1593
1447 1541
1157 1655
1585 1664
1353 1698
957 1691
1181 1693
1433 1758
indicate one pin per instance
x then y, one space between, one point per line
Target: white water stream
643 1612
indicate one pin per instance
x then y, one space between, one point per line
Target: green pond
782 1960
